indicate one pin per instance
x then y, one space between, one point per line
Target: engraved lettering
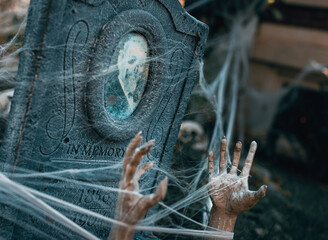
75 149
90 195
102 152
95 150
110 152
86 150
117 154
69 148
123 152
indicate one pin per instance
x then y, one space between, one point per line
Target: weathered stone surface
63 116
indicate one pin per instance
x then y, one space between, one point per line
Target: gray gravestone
92 75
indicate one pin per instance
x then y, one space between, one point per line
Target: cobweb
20 191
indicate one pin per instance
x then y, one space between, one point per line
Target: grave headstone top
93 73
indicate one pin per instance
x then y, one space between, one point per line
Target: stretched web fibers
21 190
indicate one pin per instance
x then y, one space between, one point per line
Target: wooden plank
309 3
266 78
289 45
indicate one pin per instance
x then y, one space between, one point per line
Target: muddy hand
228 191
131 205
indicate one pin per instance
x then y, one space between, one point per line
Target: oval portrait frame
131 21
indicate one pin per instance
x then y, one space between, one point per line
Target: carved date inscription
96 200
89 196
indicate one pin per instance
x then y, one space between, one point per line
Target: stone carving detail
143 3
75 42
93 3
63 69
157 126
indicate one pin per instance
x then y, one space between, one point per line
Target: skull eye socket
127 77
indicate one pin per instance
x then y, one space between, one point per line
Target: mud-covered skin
132 206
228 191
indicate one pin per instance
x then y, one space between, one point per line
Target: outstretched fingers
211 170
143 169
137 157
261 192
249 160
223 159
236 157
130 151
254 196
159 195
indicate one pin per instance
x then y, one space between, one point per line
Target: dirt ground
294 208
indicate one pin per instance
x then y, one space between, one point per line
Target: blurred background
282 103
265 78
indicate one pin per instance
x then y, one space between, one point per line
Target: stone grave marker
93 74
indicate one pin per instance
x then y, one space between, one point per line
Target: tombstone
92 75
